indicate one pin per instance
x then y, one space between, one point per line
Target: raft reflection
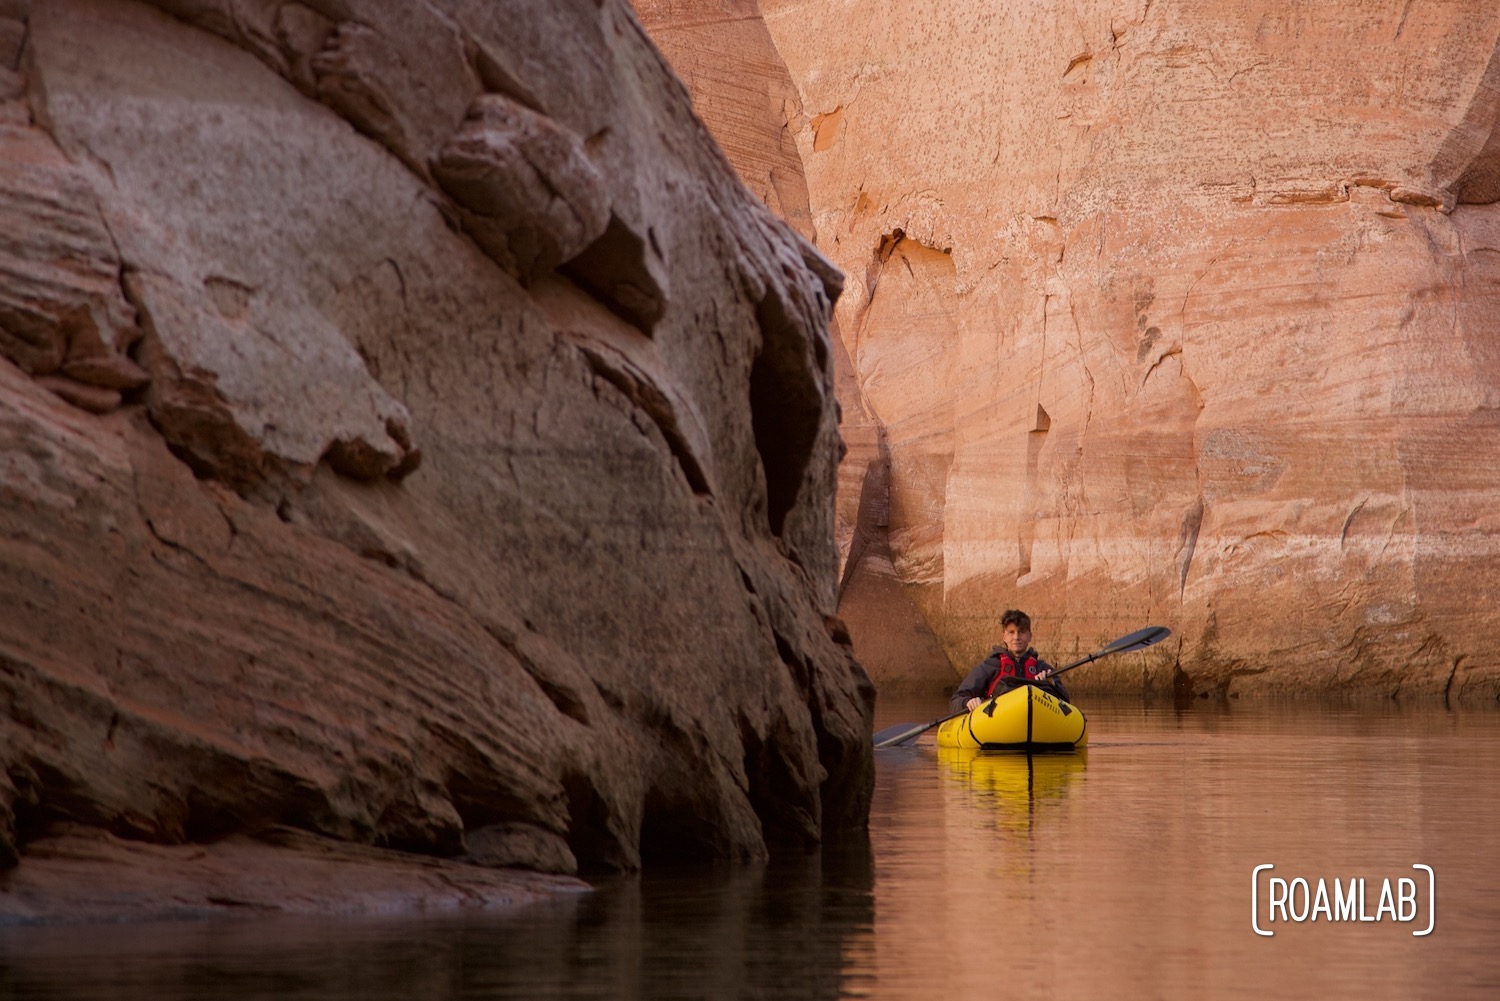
1129 873
1019 786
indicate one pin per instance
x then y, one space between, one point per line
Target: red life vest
1009 669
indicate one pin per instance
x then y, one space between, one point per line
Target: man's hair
1020 618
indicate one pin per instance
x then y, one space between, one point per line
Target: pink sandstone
1163 313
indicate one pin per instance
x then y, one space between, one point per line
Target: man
1013 663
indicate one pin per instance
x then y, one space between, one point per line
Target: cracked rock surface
412 437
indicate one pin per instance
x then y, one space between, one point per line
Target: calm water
1123 873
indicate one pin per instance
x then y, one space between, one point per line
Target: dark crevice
589 837
786 407
795 664
482 804
496 78
566 699
201 467
655 405
780 801
680 820
610 696
1452 676
616 271
888 244
674 829
872 516
1192 524
246 905
1183 687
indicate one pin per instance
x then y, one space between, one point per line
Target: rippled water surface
1125 872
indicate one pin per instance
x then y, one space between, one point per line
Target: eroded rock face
346 490
726 57
1176 314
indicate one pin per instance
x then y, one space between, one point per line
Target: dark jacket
977 683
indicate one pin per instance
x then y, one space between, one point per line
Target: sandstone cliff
726 57
1179 314
414 435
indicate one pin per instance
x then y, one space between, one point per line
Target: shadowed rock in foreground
414 436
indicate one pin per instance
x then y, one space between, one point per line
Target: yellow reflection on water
1017 788
1127 873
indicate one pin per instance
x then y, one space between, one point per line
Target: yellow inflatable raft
1022 719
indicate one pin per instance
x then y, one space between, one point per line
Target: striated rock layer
413 435
1179 314
726 56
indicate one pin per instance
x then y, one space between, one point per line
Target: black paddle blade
893 735
1138 640
903 732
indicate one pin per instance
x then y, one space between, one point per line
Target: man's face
1017 640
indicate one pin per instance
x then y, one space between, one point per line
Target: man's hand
972 704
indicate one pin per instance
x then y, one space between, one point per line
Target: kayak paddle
1138 640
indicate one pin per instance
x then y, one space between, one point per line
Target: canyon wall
415 437
1175 314
726 57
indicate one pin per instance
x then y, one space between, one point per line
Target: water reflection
1017 788
1134 880
1125 872
789 930
783 931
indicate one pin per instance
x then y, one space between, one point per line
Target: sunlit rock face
413 434
1178 314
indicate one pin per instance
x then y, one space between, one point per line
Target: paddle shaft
1138 640
911 730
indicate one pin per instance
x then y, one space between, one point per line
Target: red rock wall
412 434
1175 314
